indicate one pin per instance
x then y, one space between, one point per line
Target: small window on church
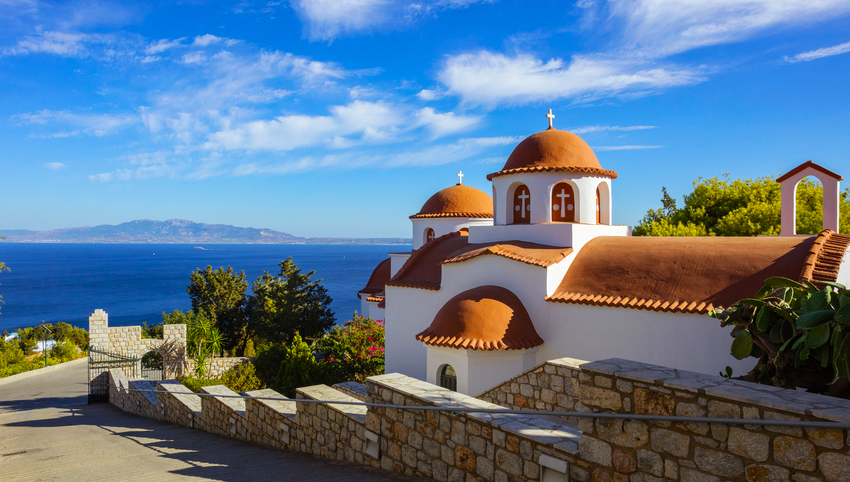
598 208
429 234
448 378
563 203
522 205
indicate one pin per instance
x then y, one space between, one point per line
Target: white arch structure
831 189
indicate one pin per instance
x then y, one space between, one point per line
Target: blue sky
341 117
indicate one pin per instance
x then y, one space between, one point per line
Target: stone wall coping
235 404
286 408
541 430
792 401
567 362
354 389
192 402
142 384
324 392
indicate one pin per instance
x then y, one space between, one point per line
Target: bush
249 349
195 384
354 351
64 351
242 377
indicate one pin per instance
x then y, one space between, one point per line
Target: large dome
483 318
553 150
458 201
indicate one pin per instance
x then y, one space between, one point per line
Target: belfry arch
564 203
831 192
519 209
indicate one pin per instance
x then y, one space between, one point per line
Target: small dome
458 201
553 150
483 318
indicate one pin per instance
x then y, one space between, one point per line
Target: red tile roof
530 253
380 276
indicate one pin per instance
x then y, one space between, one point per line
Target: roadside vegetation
284 324
19 355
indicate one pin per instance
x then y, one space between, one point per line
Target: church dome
483 318
457 201
553 150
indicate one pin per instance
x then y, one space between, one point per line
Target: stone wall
685 451
449 445
217 366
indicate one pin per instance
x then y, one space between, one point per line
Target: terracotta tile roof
422 269
582 170
457 201
376 298
530 253
825 256
814 166
690 275
483 318
380 276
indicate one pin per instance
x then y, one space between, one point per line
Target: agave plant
799 333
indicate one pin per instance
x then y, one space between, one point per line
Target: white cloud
330 19
489 78
427 95
54 165
445 124
94 124
664 27
162 45
102 177
363 120
623 148
57 43
193 58
205 40
820 53
589 129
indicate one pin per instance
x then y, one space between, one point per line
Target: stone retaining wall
176 408
223 416
689 452
217 366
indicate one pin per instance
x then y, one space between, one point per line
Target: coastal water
137 282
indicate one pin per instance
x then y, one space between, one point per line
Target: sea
136 283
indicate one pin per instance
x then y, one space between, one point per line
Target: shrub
242 377
195 384
354 351
249 349
64 351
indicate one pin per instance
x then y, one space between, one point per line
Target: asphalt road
48 432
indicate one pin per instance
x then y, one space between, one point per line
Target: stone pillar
99 329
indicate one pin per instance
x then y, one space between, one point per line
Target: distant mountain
177 231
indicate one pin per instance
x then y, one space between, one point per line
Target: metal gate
152 366
100 361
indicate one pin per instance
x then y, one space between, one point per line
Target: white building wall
397 260
443 226
844 270
559 234
487 368
408 312
684 341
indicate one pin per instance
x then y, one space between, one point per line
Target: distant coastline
179 231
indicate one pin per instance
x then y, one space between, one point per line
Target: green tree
288 303
751 207
221 294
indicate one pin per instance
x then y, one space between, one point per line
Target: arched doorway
152 366
808 206
448 377
522 205
563 203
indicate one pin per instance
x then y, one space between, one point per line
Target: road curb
25 375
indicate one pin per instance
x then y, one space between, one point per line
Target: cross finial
460 177
551 116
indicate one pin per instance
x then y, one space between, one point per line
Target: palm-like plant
204 340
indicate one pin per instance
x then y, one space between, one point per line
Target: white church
497 285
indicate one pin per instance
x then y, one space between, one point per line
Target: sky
340 118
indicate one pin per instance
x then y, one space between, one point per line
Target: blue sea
137 282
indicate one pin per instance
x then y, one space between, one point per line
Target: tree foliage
288 303
751 207
800 335
221 295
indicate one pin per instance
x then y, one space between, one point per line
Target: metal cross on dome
460 177
551 116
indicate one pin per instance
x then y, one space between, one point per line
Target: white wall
844 270
443 226
408 312
369 309
488 368
540 184
397 260
559 234
685 341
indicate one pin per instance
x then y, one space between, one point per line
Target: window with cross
522 205
563 203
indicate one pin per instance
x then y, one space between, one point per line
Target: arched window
429 234
464 230
563 203
522 205
598 208
448 378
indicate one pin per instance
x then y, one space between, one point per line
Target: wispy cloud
102 177
488 78
820 53
54 165
589 129
443 124
623 148
94 124
162 45
326 20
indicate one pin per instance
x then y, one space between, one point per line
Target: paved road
47 432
